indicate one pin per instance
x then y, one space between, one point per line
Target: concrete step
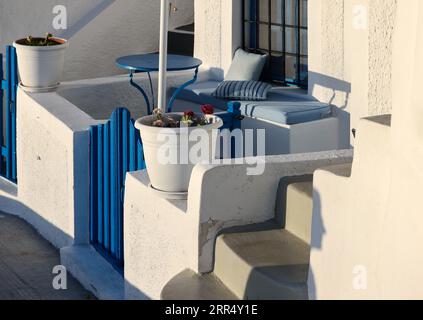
272 261
263 265
190 286
262 261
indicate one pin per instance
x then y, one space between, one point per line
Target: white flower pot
41 67
174 176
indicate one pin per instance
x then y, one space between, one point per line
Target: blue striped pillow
242 90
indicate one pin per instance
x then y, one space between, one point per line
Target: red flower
189 114
207 109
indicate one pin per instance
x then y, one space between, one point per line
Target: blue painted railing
8 99
232 117
115 150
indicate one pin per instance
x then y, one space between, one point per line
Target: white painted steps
266 261
263 265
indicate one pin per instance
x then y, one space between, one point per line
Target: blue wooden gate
115 150
8 92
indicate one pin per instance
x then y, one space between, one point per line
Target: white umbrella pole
164 26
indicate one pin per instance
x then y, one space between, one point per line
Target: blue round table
150 63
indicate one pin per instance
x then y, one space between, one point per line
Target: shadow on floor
26 264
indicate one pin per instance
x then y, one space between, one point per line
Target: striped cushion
242 90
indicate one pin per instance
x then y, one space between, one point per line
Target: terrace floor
26 265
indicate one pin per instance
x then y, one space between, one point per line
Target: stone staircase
265 261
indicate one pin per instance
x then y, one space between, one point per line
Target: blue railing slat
113 183
126 120
14 73
140 159
132 149
119 181
93 189
3 87
8 142
106 174
99 179
14 86
125 143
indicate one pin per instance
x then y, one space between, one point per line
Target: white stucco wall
53 166
217 33
367 229
99 30
350 56
381 28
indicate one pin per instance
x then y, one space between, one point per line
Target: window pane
304 42
304 71
291 61
276 68
247 34
264 10
264 37
304 13
277 11
277 38
291 12
250 9
291 40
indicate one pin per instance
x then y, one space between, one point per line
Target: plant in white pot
40 62
174 143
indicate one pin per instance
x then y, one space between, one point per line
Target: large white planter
169 176
41 68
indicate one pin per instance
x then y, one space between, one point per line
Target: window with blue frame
278 28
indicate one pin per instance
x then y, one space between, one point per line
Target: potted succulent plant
174 143
40 62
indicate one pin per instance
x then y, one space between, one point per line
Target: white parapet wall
53 164
164 237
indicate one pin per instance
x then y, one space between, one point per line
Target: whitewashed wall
350 48
368 228
217 33
99 30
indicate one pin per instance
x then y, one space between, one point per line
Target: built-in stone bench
300 123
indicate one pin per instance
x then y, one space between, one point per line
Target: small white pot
171 176
41 67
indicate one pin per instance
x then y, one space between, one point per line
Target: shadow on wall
331 83
85 20
317 235
336 86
